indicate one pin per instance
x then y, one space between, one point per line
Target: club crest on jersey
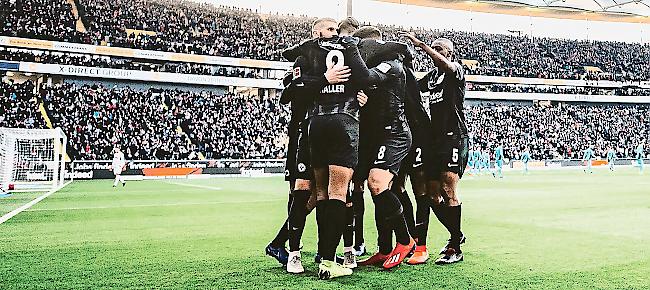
296 73
333 89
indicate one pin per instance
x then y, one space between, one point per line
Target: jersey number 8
382 152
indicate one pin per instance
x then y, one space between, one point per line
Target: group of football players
361 117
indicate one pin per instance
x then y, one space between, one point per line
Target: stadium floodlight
32 159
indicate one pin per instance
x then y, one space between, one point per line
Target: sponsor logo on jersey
331 45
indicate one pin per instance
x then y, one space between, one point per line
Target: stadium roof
629 7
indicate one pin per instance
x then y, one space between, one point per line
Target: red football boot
375 259
399 253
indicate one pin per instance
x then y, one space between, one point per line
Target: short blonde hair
319 21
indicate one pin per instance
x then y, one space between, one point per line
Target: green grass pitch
548 230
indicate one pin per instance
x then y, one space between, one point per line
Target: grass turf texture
547 230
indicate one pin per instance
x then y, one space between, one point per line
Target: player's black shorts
420 151
392 148
449 154
333 140
303 167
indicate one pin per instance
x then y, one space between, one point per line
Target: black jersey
387 80
388 93
296 93
447 94
416 113
321 54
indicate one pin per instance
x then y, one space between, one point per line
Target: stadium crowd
189 27
561 131
229 125
96 118
165 124
571 90
232 126
19 106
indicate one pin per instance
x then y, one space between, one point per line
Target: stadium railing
151 169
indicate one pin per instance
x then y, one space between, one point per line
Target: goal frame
9 138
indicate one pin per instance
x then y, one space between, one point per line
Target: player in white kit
119 163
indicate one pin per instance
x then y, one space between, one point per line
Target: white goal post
32 159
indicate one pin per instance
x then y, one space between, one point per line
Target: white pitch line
152 205
195 185
14 212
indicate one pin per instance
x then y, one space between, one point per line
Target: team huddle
360 117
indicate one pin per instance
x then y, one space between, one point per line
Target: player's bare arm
440 53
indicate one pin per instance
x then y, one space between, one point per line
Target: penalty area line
194 185
156 205
14 212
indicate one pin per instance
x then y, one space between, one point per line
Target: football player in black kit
333 131
446 86
414 166
298 169
389 139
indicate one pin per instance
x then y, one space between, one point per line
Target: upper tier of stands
189 27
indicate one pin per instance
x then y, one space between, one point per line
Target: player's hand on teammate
362 98
411 37
337 74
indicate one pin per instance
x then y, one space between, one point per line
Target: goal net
31 159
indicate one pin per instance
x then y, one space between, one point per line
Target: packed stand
145 123
533 57
38 19
561 131
231 125
570 90
96 119
190 27
19 106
